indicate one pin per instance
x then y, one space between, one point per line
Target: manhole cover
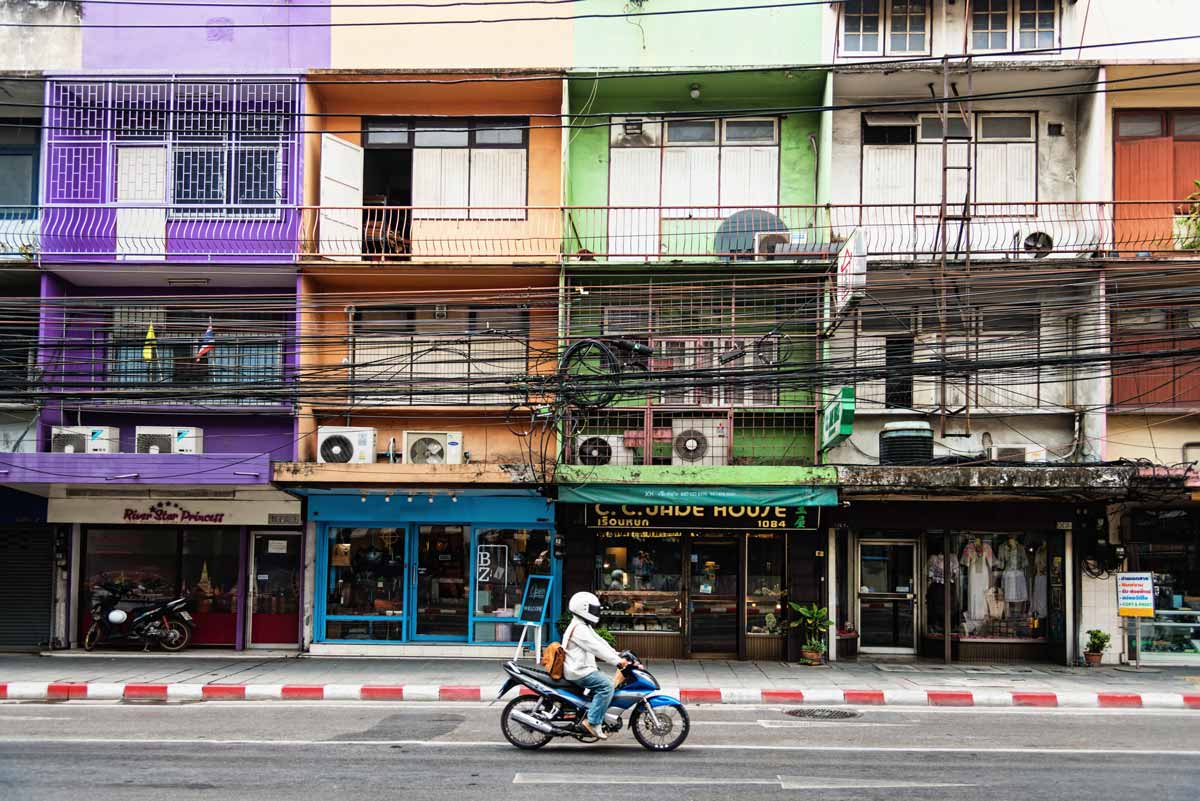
822 713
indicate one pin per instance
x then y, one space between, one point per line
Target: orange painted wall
356 97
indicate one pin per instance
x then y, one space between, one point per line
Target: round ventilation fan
595 451
337 448
427 450
691 445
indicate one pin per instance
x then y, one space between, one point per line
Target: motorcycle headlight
117 617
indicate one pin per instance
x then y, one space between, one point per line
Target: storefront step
422 650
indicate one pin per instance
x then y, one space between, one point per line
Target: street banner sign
1135 594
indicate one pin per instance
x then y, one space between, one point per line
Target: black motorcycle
168 625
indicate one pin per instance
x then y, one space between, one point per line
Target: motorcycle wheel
92 637
182 641
519 734
672 729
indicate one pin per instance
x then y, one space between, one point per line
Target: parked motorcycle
168 625
557 708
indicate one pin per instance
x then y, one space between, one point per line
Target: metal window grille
200 175
77 110
140 110
203 111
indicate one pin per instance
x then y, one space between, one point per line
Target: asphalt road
253 752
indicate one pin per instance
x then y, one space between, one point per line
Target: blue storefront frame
407 510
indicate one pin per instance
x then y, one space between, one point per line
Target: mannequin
1015 562
977 559
1040 607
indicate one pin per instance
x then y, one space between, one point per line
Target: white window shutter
691 181
634 175
888 175
498 180
141 181
341 219
440 181
749 178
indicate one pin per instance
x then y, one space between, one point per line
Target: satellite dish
737 234
337 449
691 445
427 450
595 451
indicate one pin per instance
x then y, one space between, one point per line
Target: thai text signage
624 520
837 418
1135 594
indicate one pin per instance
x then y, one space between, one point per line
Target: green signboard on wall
837 418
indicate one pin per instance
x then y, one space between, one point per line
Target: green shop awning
697 495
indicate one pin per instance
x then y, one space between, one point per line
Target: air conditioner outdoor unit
595 450
168 439
700 441
85 439
1019 454
770 244
433 447
342 445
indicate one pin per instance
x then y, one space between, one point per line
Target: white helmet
586 606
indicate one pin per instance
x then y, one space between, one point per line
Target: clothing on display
1040 606
977 559
1015 563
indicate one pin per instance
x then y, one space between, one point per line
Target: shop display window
1167 543
145 562
638 581
504 559
1003 585
365 630
764 584
366 578
209 566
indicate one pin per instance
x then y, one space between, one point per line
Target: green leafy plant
1097 641
1187 226
815 645
813 622
607 636
564 620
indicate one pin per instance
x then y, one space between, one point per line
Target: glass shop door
887 597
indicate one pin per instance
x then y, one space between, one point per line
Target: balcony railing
581 234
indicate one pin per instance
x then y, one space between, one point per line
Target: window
757 132
1036 24
989 25
931 128
1136 125
861 26
638 581
462 168
996 126
889 134
1163 381
504 559
366 579
692 132
907 25
19 167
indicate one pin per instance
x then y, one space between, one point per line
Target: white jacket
583 645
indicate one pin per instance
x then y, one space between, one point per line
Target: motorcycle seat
544 677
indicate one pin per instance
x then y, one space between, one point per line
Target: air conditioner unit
341 445
635 132
433 447
85 439
770 244
1018 454
1037 245
168 439
700 441
595 450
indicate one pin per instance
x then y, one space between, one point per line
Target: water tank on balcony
906 443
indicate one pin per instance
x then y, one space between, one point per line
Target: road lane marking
783 782
698 747
798 724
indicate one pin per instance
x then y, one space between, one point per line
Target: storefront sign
536 600
691 496
1135 594
253 510
851 274
277 546
837 418
672 520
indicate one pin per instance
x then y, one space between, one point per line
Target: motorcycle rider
583 645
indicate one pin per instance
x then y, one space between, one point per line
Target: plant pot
1093 658
811 657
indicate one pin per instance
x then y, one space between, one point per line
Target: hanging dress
1012 556
1040 607
977 562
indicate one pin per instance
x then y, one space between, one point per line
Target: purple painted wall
152 468
213 42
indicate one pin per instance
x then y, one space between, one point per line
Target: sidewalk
216 676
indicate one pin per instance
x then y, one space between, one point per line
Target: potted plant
1097 644
813 622
1186 228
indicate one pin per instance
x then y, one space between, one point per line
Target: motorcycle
557 708
169 624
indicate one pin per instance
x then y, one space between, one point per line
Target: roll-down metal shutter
26 579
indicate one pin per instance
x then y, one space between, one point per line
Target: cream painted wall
1157 437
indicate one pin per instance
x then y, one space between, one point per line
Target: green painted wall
759 37
702 475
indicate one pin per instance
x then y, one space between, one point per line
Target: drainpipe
349 360
816 149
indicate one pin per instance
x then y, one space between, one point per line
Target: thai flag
208 342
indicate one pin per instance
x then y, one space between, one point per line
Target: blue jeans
602 693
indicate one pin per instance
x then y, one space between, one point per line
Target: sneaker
592 730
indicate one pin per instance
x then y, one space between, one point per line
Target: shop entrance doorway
887 596
714 572
440 583
274 597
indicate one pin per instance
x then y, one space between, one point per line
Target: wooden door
1144 171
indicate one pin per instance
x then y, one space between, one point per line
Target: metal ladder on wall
950 213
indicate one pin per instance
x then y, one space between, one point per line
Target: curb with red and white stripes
97 691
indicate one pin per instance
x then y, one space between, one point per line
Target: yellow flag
149 347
